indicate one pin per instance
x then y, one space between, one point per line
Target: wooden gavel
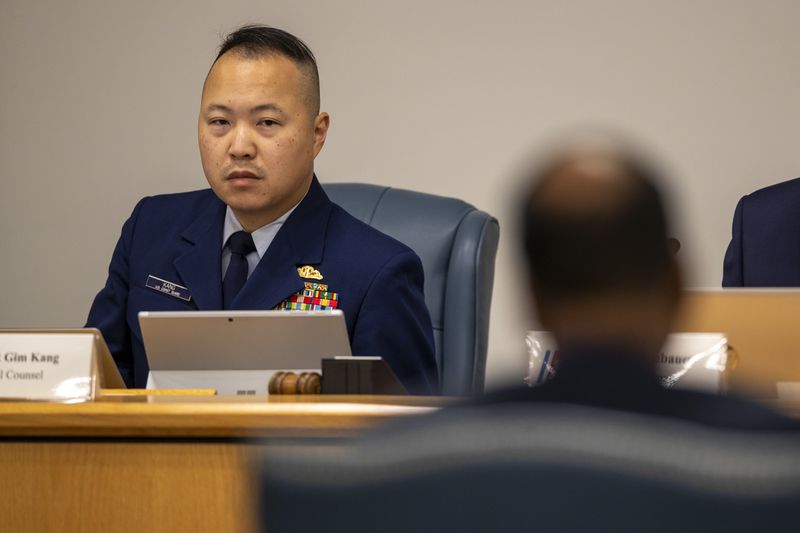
291 383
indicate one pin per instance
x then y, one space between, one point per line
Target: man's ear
321 124
674 245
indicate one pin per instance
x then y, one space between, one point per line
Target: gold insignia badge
308 272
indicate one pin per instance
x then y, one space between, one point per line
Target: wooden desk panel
152 464
761 326
140 486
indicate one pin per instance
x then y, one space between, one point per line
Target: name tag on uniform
168 288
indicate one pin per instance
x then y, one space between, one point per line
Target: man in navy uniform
765 245
265 236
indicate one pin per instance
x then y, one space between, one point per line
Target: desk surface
209 416
224 416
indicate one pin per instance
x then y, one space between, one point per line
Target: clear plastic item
697 361
542 357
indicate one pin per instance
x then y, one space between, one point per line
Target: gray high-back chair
457 244
543 468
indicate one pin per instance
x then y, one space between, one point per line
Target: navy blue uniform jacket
765 245
178 238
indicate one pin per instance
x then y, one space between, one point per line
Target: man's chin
245 201
249 208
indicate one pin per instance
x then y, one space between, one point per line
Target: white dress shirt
262 238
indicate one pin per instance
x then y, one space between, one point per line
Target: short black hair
573 253
255 40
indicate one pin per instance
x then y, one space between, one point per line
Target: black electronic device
359 375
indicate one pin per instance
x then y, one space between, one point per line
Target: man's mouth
238 175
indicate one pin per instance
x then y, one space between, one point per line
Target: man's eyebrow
257 109
266 107
219 107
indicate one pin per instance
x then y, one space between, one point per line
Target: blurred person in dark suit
602 446
765 245
606 281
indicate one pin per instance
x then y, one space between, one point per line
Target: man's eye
268 122
218 122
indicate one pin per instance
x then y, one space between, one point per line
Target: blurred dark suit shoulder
601 378
764 250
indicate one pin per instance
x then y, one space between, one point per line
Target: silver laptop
236 352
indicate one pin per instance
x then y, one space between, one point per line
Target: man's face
258 135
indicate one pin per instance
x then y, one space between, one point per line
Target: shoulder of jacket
782 191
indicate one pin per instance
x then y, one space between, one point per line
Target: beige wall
98 103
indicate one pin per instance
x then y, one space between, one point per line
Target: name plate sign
695 361
47 366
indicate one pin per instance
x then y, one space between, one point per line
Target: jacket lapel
300 241
200 266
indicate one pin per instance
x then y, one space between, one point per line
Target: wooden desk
150 464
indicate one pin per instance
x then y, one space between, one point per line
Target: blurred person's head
601 265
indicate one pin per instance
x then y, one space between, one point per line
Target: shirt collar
263 236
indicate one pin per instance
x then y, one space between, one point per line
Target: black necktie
240 244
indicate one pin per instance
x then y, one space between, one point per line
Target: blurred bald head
595 238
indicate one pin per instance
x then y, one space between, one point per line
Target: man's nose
242 145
